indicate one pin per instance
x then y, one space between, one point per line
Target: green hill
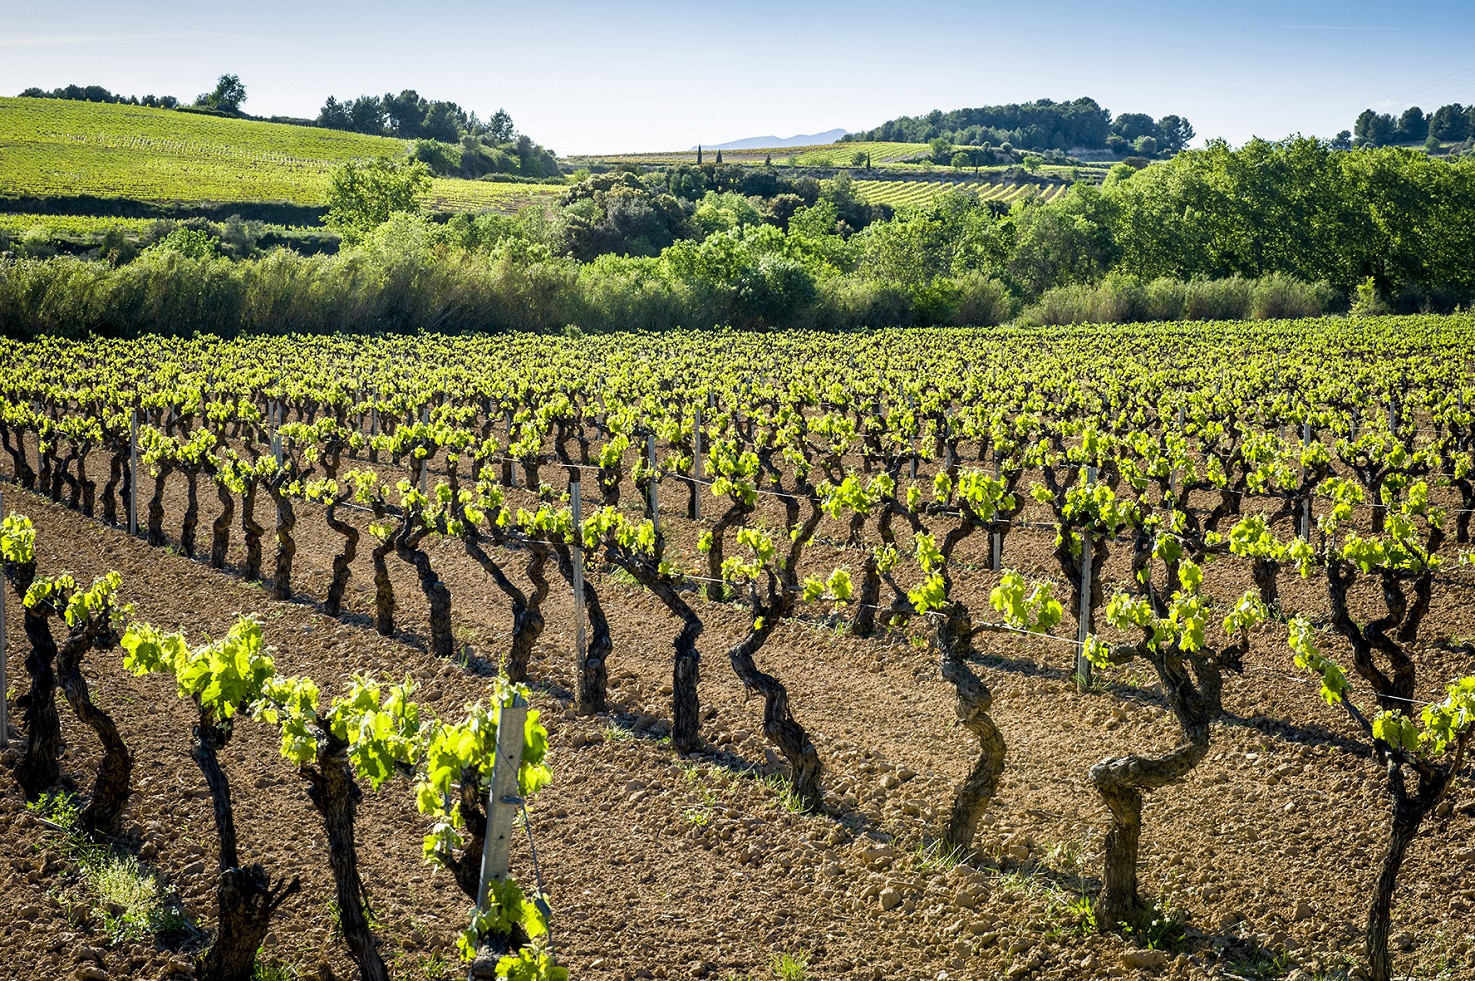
58 148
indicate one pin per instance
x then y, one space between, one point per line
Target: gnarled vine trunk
245 896
281 582
336 795
383 589
342 562
114 771
156 505
220 529
954 643
779 724
251 531
437 596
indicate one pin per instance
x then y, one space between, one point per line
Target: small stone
193 868
1146 960
890 899
91 972
1302 912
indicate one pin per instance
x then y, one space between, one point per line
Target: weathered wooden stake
276 437
696 464
581 644
503 800
132 471
1083 615
1306 506
509 472
4 684
912 402
425 464
997 538
653 493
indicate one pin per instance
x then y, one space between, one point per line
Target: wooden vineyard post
576 555
696 465
996 540
374 423
1083 615
947 442
504 799
912 402
509 472
4 683
1306 506
425 465
653 493
133 471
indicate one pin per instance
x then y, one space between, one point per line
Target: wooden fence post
996 540
581 644
1083 615
504 799
4 684
133 471
425 464
1306 506
509 471
653 493
696 465
276 436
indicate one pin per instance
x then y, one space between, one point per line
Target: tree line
451 141
1453 123
1040 125
1293 228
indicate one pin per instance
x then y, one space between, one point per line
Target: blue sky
622 76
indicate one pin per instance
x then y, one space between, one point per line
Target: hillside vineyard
1104 495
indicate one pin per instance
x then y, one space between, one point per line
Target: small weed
933 856
617 734
273 971
1071 917
1262 965
59 808
696 776
128 898
790 967
133 899
699 816
784 790
1162 928
436 968
621 576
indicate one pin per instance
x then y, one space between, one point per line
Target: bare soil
660 866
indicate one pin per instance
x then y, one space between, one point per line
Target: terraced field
53 148
903 194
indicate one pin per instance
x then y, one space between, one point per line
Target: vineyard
58 148
824 155
1070 653
903 194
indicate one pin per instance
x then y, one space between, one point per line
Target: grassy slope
53 147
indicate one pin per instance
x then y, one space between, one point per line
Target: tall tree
227 96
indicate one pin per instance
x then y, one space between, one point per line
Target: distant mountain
763 142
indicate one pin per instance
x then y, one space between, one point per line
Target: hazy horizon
623 77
